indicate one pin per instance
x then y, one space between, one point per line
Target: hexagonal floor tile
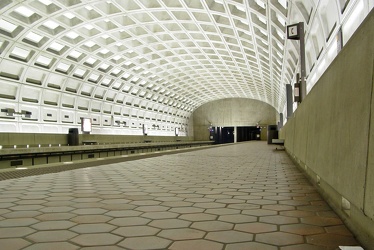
196 200
229 236
136 231
329 214
302 229
52 245
169 199
55 216
155 208
341 230
256 227
297 213
186 210
15 232
145 203
150 242
249 246
217 195
294 202
331 240
4 211
56 209
125 213
314 208
8 205
237 218
52 236
129 221
230 201
243 206
22 207
279 238
101 239
87 211
170 223
305 247
182 234
209 205
53 225
101 248
13 244
18 222
176 204
277 197
279 220
19 214
321 221
107 200
198 217
160 215
222 211
93 228
259 212
196 244
278 207
261 202
91 219
211 226
91 199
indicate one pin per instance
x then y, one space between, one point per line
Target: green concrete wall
232 112
331 135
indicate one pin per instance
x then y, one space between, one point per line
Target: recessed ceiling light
26 12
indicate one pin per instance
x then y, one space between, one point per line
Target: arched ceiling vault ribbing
177 54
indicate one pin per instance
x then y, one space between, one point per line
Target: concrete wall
8 140
331 135
232 112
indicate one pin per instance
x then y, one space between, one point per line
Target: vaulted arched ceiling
143 58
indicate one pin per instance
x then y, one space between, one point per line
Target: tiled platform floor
242 196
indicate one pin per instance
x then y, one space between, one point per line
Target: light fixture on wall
297 32
12 112
210 128
118 123
145 129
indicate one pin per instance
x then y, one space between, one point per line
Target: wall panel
332 133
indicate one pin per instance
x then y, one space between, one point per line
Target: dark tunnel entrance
227 134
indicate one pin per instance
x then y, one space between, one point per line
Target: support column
280 123
235 134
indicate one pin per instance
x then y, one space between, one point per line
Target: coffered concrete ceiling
121 57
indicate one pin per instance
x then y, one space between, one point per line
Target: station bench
279 142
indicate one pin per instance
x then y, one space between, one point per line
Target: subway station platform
237 196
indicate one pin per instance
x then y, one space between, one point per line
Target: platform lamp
296 32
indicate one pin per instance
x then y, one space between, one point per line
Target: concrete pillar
280 123
235 134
